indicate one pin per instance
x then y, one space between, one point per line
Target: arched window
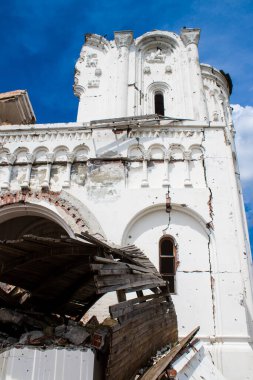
167 262
159 103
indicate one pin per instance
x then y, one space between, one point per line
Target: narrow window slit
159 103
167 264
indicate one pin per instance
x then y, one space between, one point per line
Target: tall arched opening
18 220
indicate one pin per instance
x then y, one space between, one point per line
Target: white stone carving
94 83
97 41
92 60
156 56
6 182
190 36
187 155
70 160
123 39
98 72
168 69
78 90
147 70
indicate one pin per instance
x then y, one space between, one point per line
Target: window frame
172 287
161 93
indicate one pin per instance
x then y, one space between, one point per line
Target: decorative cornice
164 133
187 155
123 38
50 158
11 158
42 136
215 76
97 41
78 90
190 36
70 157
30 158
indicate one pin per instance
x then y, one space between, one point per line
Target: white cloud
243 121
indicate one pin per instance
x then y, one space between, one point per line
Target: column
50 159
26 182
10 160
167 156
123 40
70 159
190 38
215 114
187 158
144 181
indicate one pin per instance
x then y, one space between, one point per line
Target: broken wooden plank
162 364
121 296
120 308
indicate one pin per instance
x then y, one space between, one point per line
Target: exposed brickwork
55 198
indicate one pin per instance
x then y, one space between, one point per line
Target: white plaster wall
52 364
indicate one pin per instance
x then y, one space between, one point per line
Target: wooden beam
121 295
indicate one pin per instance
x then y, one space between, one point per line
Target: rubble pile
153 360
19 329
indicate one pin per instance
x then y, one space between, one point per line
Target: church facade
151 161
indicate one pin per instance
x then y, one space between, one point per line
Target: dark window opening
167 263
159 104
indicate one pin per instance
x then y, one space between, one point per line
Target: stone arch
68 211
40 154
164 37
177 151
156 151
60 153
81 152
154 88
135 151
196 166
19 219
186 210
21 155
4 155
197 151
195 252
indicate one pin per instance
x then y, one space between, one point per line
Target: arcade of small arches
23 169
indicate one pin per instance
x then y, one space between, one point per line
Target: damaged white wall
112 177
57 364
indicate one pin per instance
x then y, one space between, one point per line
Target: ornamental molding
157 55
94 83
165 133
97 41
11 158
190 36
78 89
41 136
187 155
92 60
123 39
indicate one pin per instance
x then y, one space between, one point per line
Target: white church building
150 161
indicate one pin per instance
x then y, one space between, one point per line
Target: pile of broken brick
19 329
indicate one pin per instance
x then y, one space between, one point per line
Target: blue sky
41 41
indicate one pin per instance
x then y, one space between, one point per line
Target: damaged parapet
156 73
49 284
16 108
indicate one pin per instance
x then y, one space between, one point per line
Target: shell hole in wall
159 103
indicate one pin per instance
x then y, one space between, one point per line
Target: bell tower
171 120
